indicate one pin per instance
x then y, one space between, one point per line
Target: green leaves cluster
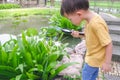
62 22
9 6
31 58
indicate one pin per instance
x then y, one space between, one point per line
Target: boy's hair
70 6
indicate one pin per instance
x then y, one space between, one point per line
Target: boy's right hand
75 34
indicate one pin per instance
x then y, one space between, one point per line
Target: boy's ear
79 13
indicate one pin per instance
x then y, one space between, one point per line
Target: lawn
105 4
27 11
5 13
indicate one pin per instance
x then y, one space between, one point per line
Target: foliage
105 4
31 32
62 22
53 32
69 78
31 58
9 6
26 12
18 20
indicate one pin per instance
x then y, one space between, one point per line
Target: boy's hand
106 67
75 34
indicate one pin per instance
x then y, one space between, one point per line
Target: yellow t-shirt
97 37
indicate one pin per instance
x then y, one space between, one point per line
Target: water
17 25
72 42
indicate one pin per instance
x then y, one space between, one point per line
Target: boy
98 41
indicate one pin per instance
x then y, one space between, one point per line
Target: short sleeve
102 33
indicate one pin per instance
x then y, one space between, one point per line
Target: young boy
98 41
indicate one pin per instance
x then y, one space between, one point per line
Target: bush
9 6
31 58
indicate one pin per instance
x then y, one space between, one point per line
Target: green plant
18 20
31 32
70 78
6 13
9 6
33 58
62 22
53 32
20 14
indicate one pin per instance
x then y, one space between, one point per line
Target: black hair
70 6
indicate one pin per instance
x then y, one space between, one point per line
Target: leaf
62 67
33 69
40 68
53 57
51 66
32 76
18 77
32 32
21 67
28 59
52 71
4 57
7 72
14 57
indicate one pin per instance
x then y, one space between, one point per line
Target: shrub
31 58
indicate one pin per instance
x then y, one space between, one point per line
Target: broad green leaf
62 67
40 68
33 69
32 76
20 67
28 59
52 71
4 57
7 72
52 57
18 77
51 66
14 57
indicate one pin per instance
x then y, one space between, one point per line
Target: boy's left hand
106 67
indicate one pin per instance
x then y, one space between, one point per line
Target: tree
52 2
38 2
3 1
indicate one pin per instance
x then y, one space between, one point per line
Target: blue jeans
89 73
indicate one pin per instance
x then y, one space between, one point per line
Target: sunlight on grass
27 11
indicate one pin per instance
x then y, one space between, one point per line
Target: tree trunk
52 2
38 2
20 2
3 1
45 2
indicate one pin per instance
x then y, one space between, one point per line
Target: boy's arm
108 56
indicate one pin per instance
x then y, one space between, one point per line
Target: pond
16 25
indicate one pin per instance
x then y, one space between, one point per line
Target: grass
27 11
117 15
105 4
9 6
5 13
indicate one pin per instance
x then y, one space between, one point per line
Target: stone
75 55
6 37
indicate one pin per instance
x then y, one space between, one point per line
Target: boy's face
75 18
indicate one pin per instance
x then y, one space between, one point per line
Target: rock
6 37
75 55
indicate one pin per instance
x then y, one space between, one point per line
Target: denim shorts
89 72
